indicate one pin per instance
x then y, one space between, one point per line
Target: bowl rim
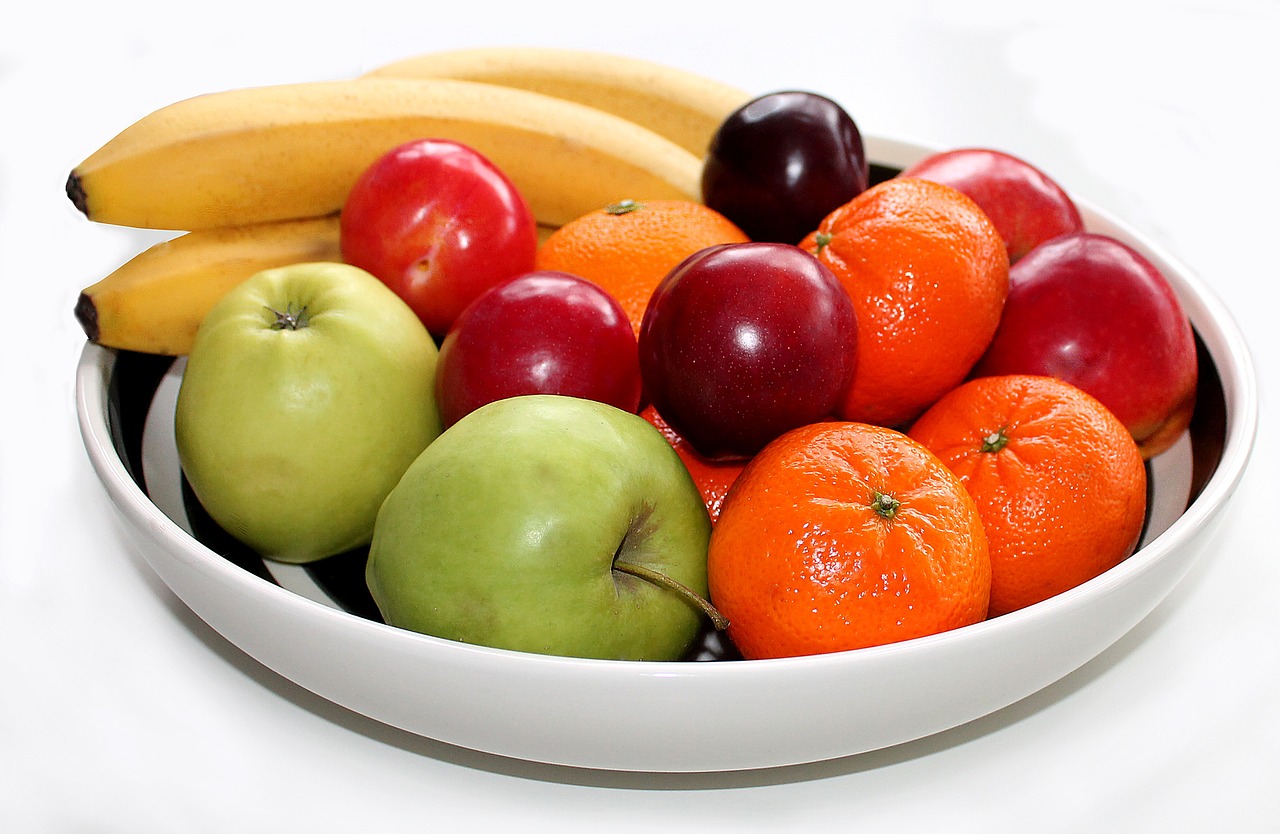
1225 344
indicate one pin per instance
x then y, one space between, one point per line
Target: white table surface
120 711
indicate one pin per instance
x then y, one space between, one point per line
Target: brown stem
664 581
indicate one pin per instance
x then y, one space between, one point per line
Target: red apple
439 224
539 333
742 342
1088 309
1025 204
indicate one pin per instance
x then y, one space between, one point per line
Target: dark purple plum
780 163
541 332
742 342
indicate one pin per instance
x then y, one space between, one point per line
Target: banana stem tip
87 315
75 192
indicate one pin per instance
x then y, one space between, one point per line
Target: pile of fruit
591 352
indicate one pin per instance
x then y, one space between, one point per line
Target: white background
122 712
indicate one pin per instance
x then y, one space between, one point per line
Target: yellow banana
683 106
263 154
156 301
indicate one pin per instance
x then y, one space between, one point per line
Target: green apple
307 393
549 524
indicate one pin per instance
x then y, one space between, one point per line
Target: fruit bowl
317 627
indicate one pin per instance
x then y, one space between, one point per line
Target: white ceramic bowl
672 717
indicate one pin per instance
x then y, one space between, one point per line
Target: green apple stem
664 581
293 318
